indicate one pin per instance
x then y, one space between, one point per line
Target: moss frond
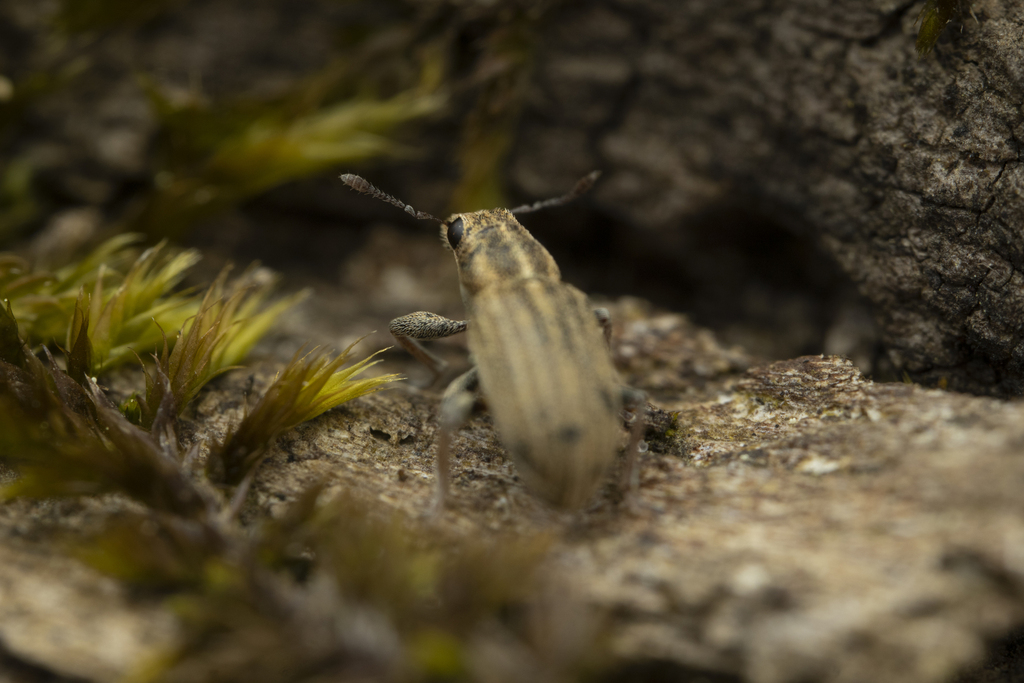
105 319
424 605
34 424
934 17
100 315
64 441
12 349
310 385
231 319
151 549
247 317
79 347
256 148
42 400
114 254
131 408
44 302
132 317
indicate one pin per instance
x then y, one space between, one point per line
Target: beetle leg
635 402
456 405
423 325
604 319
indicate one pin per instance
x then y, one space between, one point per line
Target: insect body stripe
548 378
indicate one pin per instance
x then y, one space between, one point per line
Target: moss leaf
310 385
12 349
257 148
63 454
79 351
934 17
134 314
231 319
154 549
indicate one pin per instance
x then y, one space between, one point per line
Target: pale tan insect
541 358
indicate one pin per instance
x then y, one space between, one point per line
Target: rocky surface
794 521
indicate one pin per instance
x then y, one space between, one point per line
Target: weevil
540 354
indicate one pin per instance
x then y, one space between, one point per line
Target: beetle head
492 248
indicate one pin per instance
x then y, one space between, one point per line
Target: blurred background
223 125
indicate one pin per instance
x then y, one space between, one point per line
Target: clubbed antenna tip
360 184
582 186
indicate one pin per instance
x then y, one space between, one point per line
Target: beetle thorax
495 250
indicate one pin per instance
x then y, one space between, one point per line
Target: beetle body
540 357
543 363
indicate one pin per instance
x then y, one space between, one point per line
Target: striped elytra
543 361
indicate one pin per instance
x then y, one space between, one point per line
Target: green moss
130 318
310 385
79 348
327 587
44 302
132 409
663 430
65 438
212 156
934 17
231 318
217 157
154 550
64 441
422 601
60 431
12 349
438 654
105 319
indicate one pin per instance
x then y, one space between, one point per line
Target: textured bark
819 115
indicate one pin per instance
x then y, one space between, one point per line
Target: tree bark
818 115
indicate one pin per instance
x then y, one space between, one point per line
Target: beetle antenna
582 186
360 184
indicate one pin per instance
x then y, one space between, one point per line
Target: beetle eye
455 229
